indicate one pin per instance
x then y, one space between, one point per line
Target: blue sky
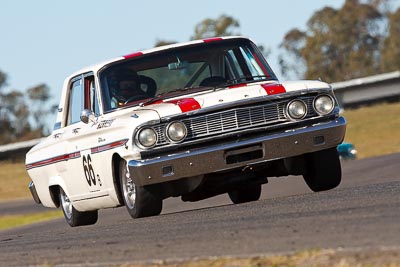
44 41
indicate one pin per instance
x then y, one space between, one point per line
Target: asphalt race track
362 213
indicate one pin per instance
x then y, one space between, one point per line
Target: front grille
235 119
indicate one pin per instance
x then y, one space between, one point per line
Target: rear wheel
246 194
323 170
74 217
140 201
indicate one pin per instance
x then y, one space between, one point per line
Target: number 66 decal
88 169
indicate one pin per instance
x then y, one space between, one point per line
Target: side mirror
88 116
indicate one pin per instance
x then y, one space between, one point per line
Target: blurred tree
3 78
222 26
163 42
339 44
382 5
22 116
38 96
390 60
17 113
6 132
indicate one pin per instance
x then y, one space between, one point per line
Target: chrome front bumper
284 144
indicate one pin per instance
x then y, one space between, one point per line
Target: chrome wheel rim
129 189
66 205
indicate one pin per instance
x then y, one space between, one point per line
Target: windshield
169 72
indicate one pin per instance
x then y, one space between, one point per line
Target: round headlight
324 104
296 109
176 131
147 137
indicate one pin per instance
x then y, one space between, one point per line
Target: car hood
204 99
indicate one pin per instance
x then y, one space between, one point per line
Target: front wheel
74 217
246 194
323 170
140 201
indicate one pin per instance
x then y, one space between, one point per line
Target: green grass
10 221
14 181
374 130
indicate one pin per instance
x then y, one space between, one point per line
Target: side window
82 96
76 102
91 100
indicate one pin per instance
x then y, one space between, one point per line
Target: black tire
323 170
72 216
246 194
140 201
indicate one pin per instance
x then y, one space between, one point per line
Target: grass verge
10 221
374 130
14 181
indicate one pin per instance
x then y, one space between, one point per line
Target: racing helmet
124 84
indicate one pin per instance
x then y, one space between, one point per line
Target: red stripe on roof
136 54
209 40
273 89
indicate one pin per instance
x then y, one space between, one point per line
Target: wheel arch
116 179
55 183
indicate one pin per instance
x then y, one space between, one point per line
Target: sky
44 41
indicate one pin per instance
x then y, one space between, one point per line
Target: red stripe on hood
273 89
237 85
185 104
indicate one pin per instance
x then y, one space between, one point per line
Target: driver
125 88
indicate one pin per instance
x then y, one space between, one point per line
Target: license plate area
242 154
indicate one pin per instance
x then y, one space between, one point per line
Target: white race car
194 120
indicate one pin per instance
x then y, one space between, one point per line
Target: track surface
362 213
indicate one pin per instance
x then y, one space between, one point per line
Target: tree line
358 39
23 114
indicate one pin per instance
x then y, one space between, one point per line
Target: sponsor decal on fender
105 124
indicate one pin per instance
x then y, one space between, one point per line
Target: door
85 181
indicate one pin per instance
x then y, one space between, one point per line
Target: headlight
176 131
296 109
324 104
146 137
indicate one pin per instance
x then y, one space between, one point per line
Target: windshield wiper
249 79
161 96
